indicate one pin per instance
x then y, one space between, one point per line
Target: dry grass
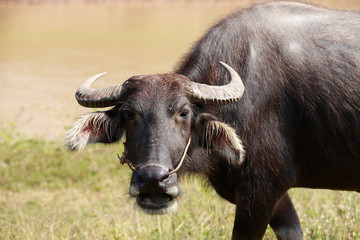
79 213
84 214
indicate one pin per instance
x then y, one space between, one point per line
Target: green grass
47 192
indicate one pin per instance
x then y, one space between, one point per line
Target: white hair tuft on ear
225 141
220 137
88 129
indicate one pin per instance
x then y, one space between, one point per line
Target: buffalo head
156 114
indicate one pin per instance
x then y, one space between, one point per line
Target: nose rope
124 160
182 158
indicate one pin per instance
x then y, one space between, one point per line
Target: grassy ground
47 192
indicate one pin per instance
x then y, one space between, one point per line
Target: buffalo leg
285 221
251 219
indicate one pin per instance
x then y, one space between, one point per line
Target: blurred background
47 49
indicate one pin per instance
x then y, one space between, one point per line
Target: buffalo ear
220 137
96 127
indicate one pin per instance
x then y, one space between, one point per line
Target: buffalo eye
129 114
184 113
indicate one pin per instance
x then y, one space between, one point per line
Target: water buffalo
284 112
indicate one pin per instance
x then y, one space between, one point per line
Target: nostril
164 177
140 179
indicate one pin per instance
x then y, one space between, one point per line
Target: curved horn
101 97
219 95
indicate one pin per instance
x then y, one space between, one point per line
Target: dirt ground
48 49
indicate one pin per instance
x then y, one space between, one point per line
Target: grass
47 192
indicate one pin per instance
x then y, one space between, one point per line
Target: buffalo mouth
156 203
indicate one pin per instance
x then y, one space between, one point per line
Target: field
46 51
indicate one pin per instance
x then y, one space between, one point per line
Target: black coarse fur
299 118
